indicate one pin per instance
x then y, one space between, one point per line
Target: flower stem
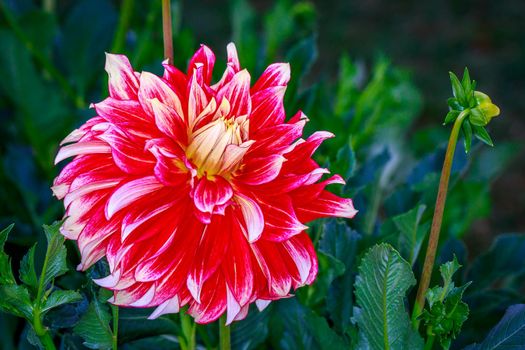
188 331
167 30
436 221
114 311
224 334
123 24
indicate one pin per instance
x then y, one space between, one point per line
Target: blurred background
373 72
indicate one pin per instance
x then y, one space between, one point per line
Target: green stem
40 330
224 334
114 311
430 342
188 331
437 219
167 30
126 11
40 57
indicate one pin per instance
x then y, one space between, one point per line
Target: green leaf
27 269
467 132
56 253
94 327
446 312
134 325
340 242
380 288
451 116
509 333
303 328
250 332
457 89
15 300
411 232
6 273
466 82
60 297
481 133
347 86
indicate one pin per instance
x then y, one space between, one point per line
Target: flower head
196 193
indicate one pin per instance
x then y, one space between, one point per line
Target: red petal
209 193
258 171
123 84
204 58
253 217
268 108
211 251
131 192
281 222
237 92
152 87
213 300
277 74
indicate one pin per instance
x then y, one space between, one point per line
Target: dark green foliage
388 151
446 312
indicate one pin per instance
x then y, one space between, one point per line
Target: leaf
6 273
15 299
467 133
134 325
56 253
94 327
380 288
451 116
481 133
60 297
252 331
457 89
340 242
301 58
504 260
411 233
303 328
509 333
446 312
27 269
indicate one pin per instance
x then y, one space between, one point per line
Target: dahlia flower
196 193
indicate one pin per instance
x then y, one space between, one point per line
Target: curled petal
130 192
277 74
253 217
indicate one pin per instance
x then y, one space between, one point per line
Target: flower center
214 148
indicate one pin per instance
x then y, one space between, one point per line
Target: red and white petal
252 215
237 92
123 84
257 171
152 87
131 192
277 74
203 59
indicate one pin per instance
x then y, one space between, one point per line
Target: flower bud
484 110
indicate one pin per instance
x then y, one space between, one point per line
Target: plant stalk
114 311
188 331
437 219
224 334
167 30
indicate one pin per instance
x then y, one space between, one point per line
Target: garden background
374 72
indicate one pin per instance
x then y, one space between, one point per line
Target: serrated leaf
467 133
6 272
27 269
60 297
15 300
481 133
380 288
509 333
94 327
56 253
411 233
